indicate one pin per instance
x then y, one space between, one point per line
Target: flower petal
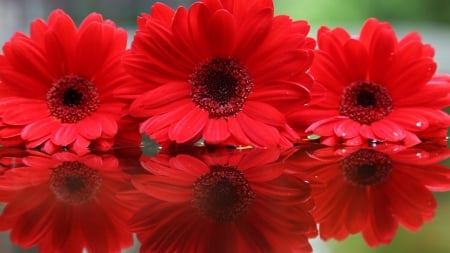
216 131
90 128
387 130
258 132
163 188
65 134
39 129
29 111
221 33
237 132
189 127
347 128
161 99
264 113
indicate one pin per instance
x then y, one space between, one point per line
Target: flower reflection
230 201
66 203
10 158
373 190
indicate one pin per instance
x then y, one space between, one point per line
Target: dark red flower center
74 182
221 87
72 99
223 194
366 167
365 102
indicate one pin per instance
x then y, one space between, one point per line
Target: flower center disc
366 167
365 102
72 99
221 87
223 194
74 182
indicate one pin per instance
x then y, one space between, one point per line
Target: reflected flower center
366 167
221 87
365 102
223 194
74 182
72 98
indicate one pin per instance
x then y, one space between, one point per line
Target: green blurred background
430 17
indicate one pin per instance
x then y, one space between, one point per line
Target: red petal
366 132
328 73
356 56
164 120
63 30
189 165
189 127
236 131
347 128
386 130
162 99
108 125
80 145
221 33
381 48
21 84
357 211
39 129
89 127
411 78
29 111
258 158
253 32
410 119
163 13
216 131
280 92
198 19
163 188
324 127
264 113
65 134
89 45
258 132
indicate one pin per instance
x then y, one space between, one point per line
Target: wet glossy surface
218 199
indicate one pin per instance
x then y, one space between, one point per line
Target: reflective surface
207 199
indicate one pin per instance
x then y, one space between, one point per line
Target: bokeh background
429 17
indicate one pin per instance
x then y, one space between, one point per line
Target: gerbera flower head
71 203
221 202
222 70
63 78
374 87
372 190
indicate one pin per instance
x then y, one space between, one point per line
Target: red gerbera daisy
224 70
58 83
374 87
66 203
226 202
373 190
